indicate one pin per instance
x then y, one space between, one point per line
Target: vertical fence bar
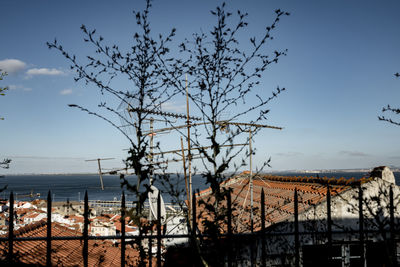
123 229
361 224
194 225
150 238
11 229
48 237
229 243
150 250
263 256
296 229
159 229
85 251
329 221
392 238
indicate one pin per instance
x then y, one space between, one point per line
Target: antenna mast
100 173
188 141
249 129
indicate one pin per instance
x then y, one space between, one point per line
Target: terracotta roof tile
66 252
279 196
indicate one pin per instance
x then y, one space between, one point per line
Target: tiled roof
76 219
128 229
21 211
101 218
66 252
31 215
279 197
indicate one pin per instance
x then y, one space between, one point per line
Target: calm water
74 186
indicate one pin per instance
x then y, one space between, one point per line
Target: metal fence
228 238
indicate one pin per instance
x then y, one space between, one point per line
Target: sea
73 186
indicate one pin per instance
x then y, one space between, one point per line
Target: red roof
76 219
66 252
279 197
118 227
31 215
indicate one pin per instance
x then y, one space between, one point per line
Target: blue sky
338 73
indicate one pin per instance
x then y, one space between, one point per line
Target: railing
262 236
85 237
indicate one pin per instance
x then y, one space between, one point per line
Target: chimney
383 172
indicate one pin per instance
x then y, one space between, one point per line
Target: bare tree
142 70
223 80
224 76
391 109
141 67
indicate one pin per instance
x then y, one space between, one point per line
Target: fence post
150 249
296 229
329 221
361 224
229 239
263 256
392 238
11 229
85 230
159 229
123 229
48 238
194 224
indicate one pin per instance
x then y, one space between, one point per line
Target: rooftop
66 252
279 196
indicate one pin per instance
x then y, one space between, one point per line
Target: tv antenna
100 172
131 105
250 127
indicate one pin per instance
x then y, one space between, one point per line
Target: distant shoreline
361 170
48 174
